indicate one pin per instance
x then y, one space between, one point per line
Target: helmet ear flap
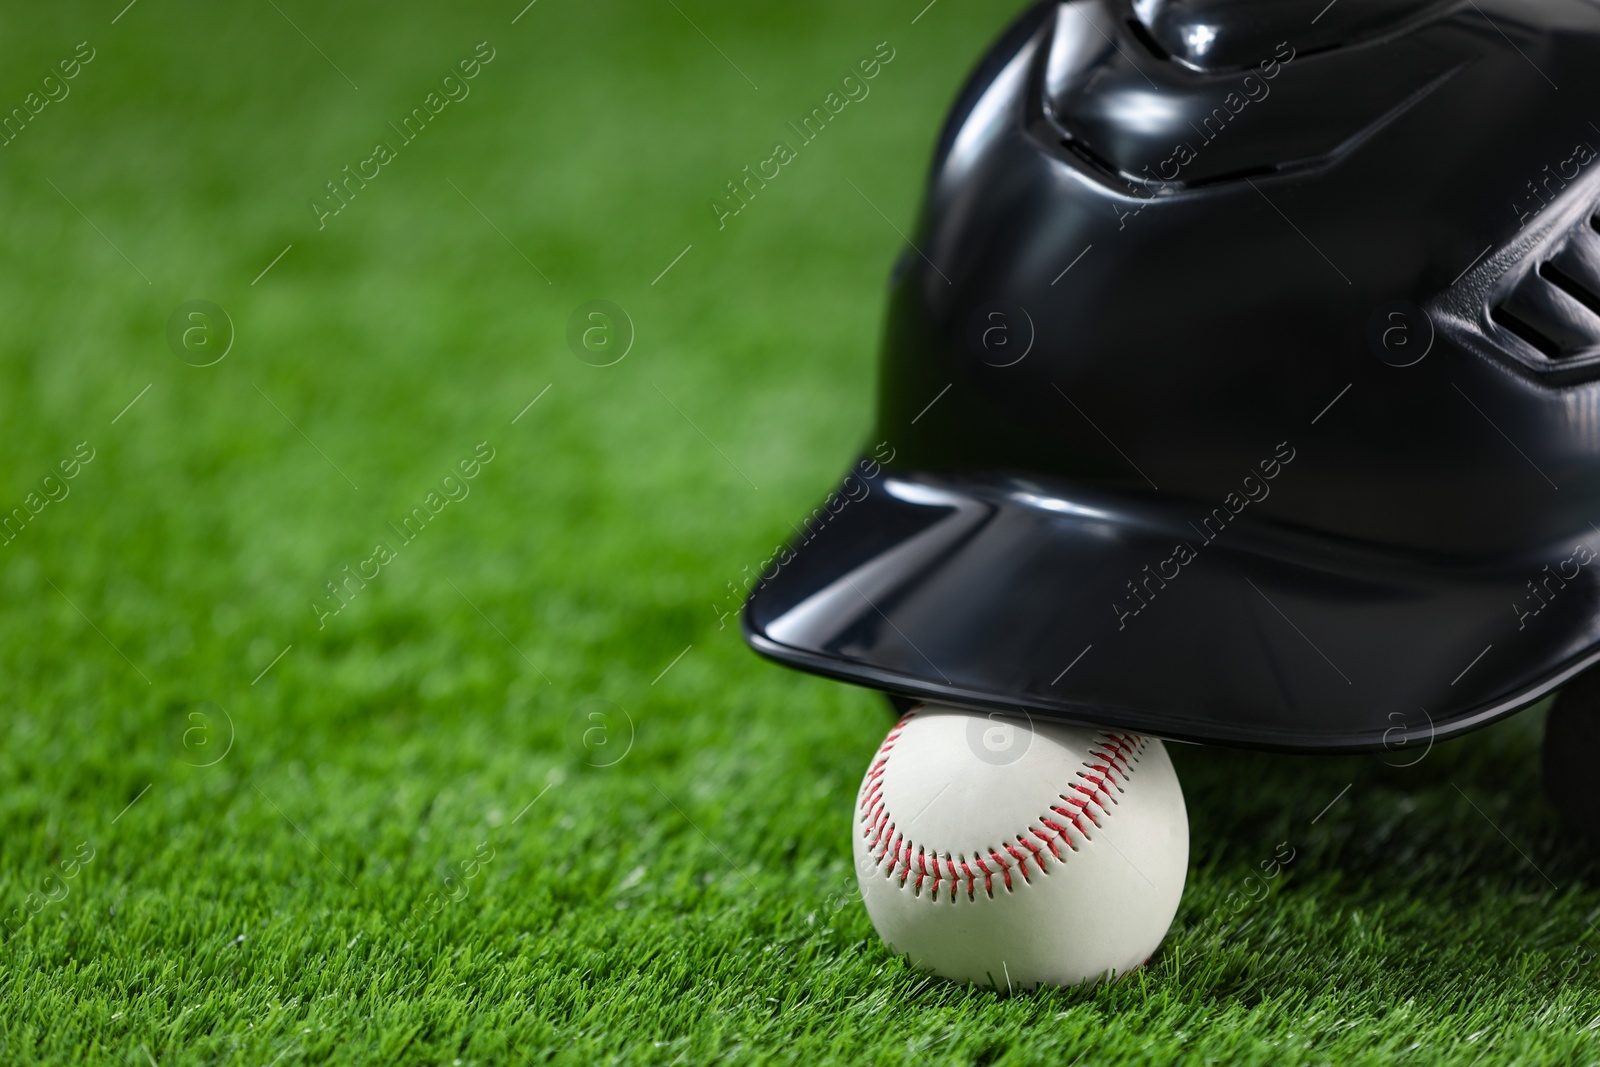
1571 750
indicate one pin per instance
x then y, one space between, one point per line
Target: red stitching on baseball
1035 849
988 876
1105 773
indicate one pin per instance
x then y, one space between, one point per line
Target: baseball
1012 853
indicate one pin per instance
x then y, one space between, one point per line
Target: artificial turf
474 817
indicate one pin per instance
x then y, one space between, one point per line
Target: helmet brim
1018 595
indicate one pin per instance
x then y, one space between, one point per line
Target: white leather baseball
1008 853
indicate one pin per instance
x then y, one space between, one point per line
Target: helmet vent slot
1527 331
1555 307
1583 293
1550 317
1141 33
1218 35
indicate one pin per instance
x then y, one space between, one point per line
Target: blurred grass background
691 903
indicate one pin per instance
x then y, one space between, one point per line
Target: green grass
692 902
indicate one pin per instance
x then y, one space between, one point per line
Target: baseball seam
1103 775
